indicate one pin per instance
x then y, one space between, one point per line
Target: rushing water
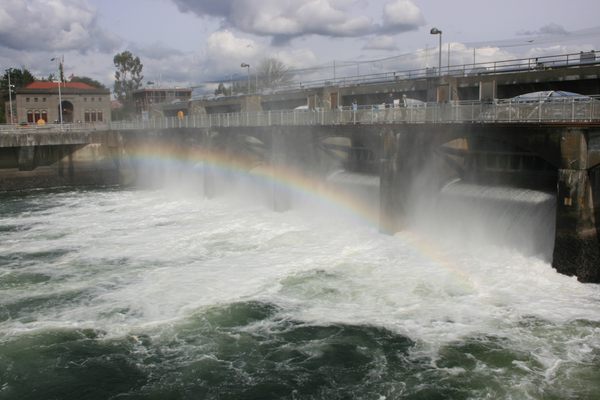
124 294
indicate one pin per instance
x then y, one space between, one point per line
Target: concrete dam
532 186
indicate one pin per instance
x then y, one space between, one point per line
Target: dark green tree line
19 77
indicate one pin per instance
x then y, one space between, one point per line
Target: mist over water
162 293
472 216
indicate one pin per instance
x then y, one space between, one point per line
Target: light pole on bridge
60 76
10 89
247 66
436 31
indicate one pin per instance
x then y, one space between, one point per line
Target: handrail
75 127
470 69
543 109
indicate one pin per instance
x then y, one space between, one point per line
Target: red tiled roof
53 85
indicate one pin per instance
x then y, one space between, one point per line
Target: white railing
30 128
577 109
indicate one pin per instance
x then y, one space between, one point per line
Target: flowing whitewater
152 294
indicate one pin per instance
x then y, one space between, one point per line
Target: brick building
162 101
80 103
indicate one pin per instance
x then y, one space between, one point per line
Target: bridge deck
567 110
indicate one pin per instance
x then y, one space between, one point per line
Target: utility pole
247 66
436 31
10 95
333 71
60 68
448 58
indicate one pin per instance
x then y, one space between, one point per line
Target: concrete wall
82 102
68 159
584 80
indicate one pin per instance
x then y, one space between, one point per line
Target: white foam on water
143 259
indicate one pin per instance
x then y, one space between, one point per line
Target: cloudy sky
188 42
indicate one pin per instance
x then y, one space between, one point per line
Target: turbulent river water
150 294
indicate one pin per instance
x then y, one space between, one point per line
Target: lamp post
436 31
247 66
60 109
10 88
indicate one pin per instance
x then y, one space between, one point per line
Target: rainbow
244 167
297 183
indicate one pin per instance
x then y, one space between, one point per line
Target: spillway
112 293
364 187
520 218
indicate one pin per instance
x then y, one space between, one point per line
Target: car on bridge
547 105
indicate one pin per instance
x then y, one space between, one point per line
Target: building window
45 115
37 115
35 99
30 116
27 99
99 98
91 99
93 115
87 116
100 116
85 99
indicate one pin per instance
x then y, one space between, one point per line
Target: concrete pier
208 178
391 205
561 158
280 156
577 246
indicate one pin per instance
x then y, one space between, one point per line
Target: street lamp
10 88
60 109
244 65
436 31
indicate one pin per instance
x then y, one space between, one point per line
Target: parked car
547 105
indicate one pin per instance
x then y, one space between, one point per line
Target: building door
443 93
67 112
333 97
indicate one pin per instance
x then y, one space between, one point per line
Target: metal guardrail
559 110
54 128
578 109
459 70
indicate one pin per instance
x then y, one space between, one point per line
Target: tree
238 87
128 77
222 89
61 70
18 78
273 73
89 81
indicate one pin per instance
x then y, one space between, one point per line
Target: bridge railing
75 127
567 109
577 109
470 69
584 109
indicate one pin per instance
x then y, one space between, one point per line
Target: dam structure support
576 249
564 160
392 149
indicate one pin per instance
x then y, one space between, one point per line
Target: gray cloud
401 16
549 29
48 25
283 20
381 43
155 51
